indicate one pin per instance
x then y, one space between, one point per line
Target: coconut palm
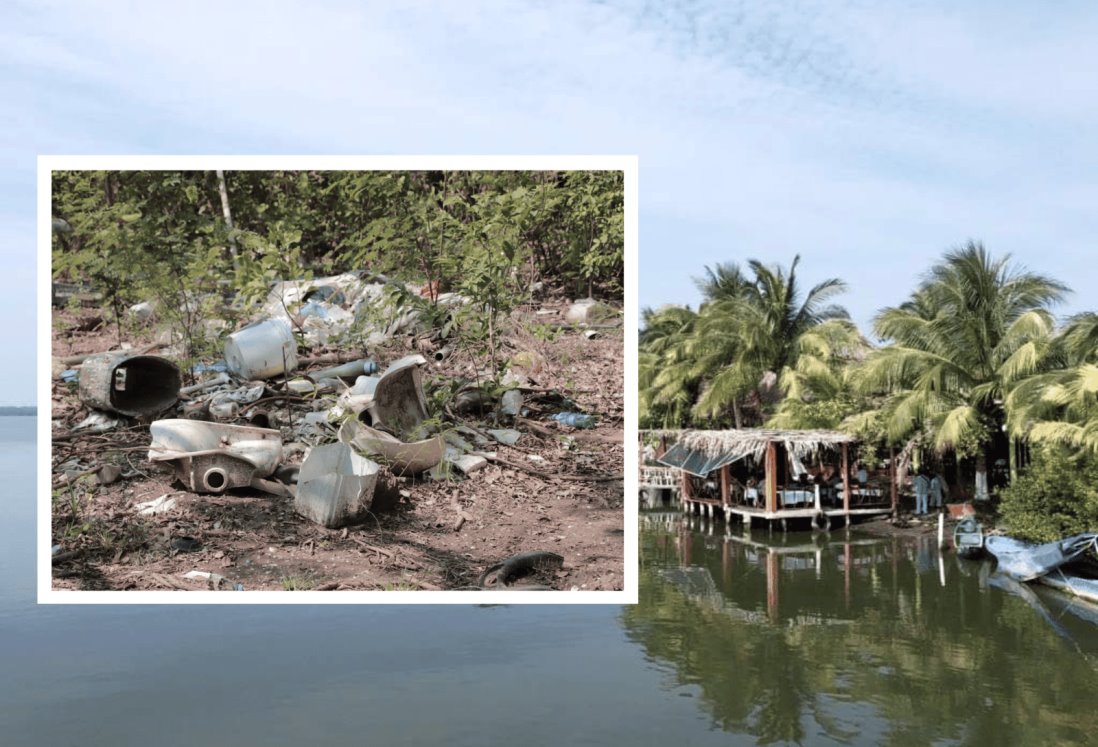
667 388
973 328
747 341
1059 404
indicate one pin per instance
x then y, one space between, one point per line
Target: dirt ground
557 489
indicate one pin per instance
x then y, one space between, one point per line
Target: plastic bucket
262 350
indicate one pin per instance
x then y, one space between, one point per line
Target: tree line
126 227
972 365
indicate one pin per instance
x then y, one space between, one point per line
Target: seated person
751 492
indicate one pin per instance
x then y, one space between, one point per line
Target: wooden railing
659 477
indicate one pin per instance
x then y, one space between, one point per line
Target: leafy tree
759 328
1059 403
973 327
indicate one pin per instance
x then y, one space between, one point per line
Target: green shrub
1055 497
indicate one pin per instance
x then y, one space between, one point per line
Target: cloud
868 137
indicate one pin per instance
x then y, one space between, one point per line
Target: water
716 653
850 639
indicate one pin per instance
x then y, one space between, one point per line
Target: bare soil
557 489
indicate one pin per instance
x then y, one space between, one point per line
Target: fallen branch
550 475
375 548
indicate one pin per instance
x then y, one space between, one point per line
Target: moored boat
1055 564
968 537
1026 562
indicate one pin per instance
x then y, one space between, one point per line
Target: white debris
160 505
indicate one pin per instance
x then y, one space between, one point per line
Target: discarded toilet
262 350
394 400
128 384
213 457
401 458
335 485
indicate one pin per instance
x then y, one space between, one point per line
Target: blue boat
1054 564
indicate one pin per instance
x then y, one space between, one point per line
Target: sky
868 137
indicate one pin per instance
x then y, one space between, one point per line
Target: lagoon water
737 640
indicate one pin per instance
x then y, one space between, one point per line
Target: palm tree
667 387
747 340
972 329
1059 404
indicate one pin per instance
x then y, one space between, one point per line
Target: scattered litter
160 505
218 367
591 334
55 549
224 410
212 457
301 386
108 474
245 395
346 371
511 402
588 311
70 375
142 312
335 485
467 463
129 385
215 580
402 458
98 422
575 419
328 293
506 436
398 402
215 381
535 458
262 350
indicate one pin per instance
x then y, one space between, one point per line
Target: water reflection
800 638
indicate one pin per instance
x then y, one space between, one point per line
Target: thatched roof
662 433
754 440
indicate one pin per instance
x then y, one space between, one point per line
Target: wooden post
773 577
771 476
847 560
846 480
726 498
892 481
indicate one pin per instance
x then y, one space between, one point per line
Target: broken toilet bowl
213 457
395 399
402 458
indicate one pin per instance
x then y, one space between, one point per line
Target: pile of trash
322 438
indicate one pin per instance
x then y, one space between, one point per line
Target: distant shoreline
18 411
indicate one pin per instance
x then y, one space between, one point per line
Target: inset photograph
320 379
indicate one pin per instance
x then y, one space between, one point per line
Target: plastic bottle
575 419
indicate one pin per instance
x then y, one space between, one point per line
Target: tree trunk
228 216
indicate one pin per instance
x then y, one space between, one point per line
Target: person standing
922 491
938 488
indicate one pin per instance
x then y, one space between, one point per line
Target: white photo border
48 164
